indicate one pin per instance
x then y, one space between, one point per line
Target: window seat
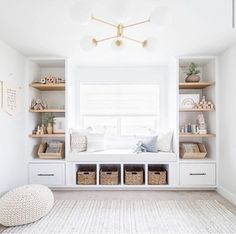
122 155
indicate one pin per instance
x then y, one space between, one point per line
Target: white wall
227 126
13 170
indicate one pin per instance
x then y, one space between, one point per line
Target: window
120 109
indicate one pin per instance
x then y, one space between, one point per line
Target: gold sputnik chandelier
81 13
120 33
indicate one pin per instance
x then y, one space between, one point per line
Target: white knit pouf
25 204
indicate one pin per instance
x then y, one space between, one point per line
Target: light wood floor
130 195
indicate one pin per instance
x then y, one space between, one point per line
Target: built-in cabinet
182 173
199 172
44 171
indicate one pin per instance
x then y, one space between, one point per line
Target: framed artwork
188 101
10 98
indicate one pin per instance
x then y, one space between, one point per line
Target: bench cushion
122 155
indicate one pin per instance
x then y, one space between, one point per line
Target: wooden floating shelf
47 135
190 135
200 85
196 110
48 111
48 87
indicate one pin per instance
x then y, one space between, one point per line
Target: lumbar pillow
78 142
164 141
25 204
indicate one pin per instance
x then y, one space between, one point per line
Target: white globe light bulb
120 10
160 17
81 12
116 11
150 44
117 45
88 43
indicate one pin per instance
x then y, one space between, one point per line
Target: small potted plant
48 120
192 73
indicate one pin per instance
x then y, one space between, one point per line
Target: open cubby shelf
193 85
48 111
47 135
190 135
196 110
48 87
198 170
121 174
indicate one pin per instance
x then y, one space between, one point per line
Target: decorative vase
49 128
192 78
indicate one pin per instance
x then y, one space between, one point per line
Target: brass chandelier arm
103 21
106 39
131 39
138 23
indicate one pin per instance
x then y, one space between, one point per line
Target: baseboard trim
226 194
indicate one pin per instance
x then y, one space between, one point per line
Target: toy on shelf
199 128
203 104
140 148
40 130
38 104
50 79
202 127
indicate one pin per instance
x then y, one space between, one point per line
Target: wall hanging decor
10 98
188 101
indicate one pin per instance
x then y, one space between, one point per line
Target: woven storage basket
157 176
86 176
134 176
109 176
197 155
42 149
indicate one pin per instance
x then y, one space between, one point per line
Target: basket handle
134 173
86 173
157 173
108 173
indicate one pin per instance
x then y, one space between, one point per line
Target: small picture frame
188 101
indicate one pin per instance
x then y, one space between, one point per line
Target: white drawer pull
45 174
197 174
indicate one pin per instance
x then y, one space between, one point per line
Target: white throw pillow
117 142
164 141
95 142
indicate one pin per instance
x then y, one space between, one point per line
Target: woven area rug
138 216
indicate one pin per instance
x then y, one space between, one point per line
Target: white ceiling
44 28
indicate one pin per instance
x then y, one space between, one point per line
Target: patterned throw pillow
78 142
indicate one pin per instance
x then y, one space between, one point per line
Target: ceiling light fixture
159 17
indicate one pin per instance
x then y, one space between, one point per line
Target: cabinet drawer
197 174
47 174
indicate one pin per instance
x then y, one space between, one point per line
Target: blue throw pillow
150 143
